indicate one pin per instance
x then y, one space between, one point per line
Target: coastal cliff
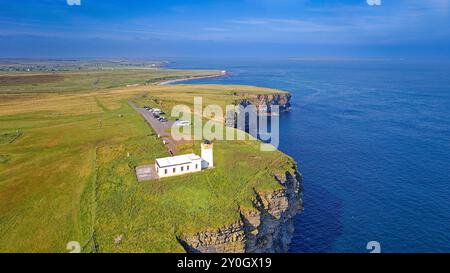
267 228
263 103
265 100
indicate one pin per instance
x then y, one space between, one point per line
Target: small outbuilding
146 172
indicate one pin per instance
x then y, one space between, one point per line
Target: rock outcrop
265 100
268 228
263 103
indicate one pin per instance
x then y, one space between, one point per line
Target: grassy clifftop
69 176
166 97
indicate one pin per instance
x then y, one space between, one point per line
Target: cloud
215 29
440 5
73 2
292 25
390 23
373 2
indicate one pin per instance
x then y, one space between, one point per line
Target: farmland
87 80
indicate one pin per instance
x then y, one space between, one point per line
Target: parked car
163 120
182 123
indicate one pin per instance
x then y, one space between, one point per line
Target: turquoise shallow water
372 140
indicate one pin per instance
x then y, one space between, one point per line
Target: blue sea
372 140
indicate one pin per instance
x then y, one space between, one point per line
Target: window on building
196 166
174 170
187 167
165 171
182 168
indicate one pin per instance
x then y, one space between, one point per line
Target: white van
182 123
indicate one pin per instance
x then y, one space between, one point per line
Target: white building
176 165
183 164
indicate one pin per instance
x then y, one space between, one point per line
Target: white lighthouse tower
207 154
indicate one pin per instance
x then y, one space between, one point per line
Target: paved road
159 127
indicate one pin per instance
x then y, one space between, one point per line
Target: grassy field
67 173
88 80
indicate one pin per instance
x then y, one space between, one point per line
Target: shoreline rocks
268 228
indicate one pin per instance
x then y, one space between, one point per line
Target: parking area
161 128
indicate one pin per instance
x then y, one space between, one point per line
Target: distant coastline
221 74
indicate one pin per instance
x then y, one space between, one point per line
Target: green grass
165 97
4 158
68 177
152 214
87 80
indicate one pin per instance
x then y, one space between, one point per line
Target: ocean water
372 140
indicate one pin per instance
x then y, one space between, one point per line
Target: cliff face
267 228
263 102
266 100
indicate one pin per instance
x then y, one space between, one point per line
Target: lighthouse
207 154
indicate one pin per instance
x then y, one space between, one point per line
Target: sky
392 29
